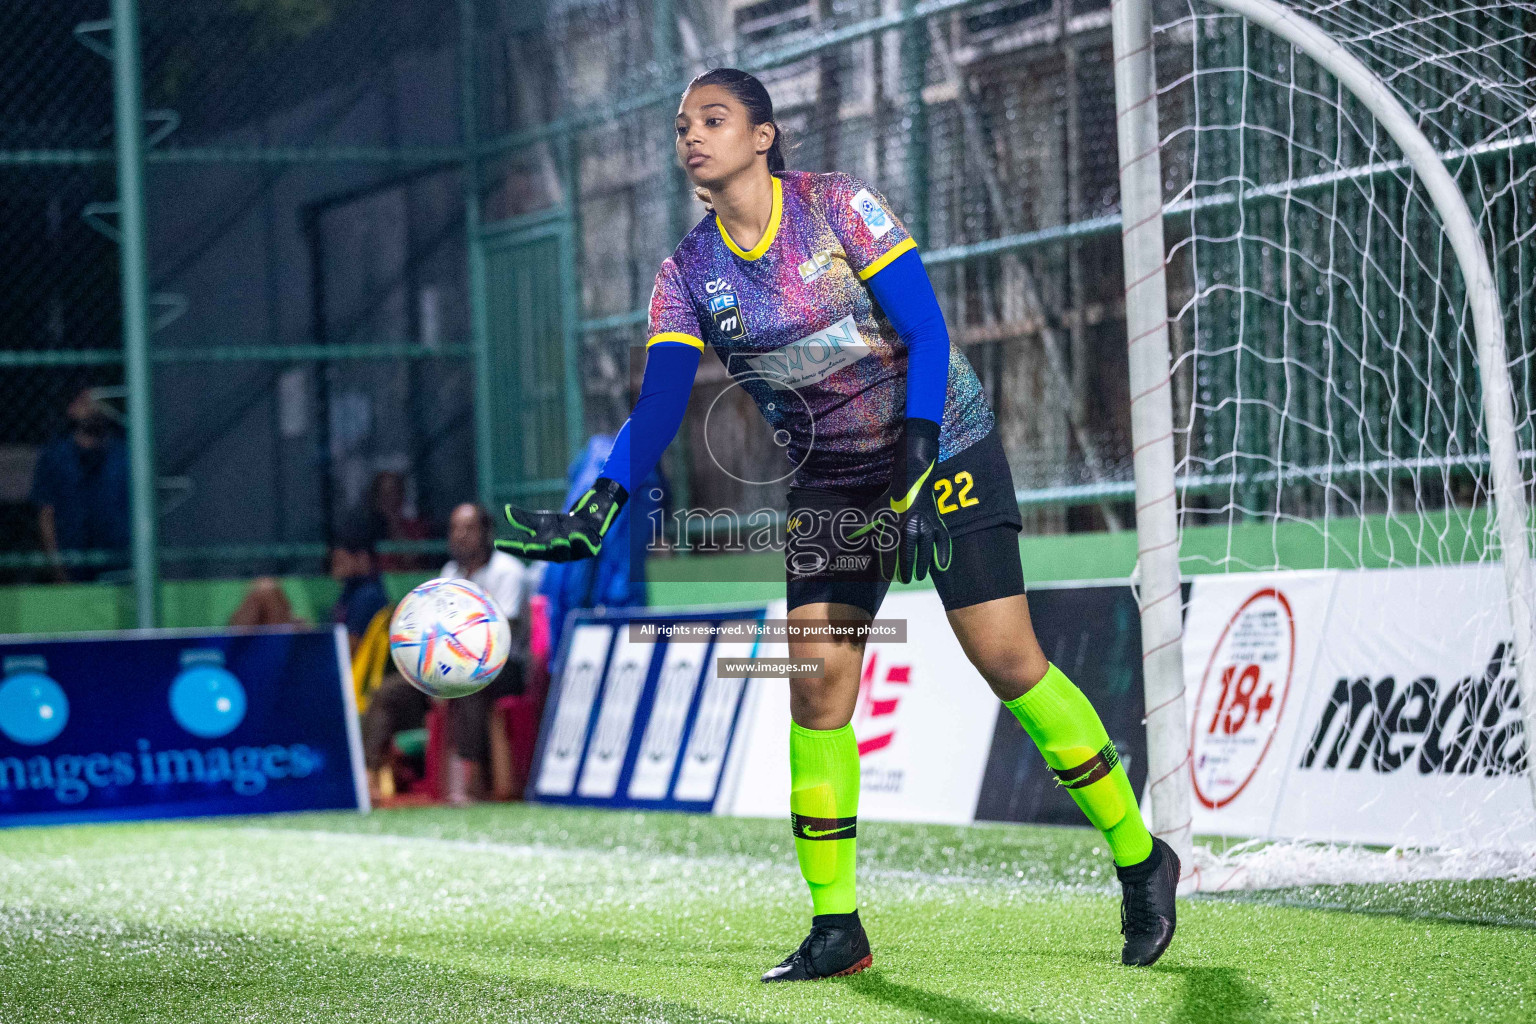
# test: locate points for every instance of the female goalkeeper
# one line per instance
(813, 295)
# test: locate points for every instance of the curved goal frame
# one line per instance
(1152, 425)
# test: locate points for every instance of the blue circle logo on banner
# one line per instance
(208, 701)
(33, 708)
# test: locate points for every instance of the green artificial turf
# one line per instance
(530, 914)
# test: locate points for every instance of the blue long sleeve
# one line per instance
(907, 299)
(669, 371)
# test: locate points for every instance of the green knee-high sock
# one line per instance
(1068, 732)
(824, 808)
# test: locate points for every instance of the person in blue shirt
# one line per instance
(80, 488)
(616, 577)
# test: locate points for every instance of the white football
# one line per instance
(448, 639)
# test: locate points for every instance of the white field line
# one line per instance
(734, 861)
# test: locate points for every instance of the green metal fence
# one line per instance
(240, 225)
(989, 125)
(410, 237)
(241, 332)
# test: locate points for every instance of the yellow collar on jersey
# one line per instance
(773, 226)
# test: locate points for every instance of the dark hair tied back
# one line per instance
(750, 93)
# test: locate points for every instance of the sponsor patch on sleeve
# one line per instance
(872, 213)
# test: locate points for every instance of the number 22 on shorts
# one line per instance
(957, 487)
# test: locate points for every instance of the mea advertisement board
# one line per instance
(640, 720)
(924, 722)
(1374, 706)
(173, 724)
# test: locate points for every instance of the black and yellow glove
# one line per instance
(566, 536)
(910, 536)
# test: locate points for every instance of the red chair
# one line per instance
(400, 783)
(435, 785)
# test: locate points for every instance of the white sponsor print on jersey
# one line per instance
(814, 267)
(812, 358)
(872, 213)
(725, 308)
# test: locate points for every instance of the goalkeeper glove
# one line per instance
(910, 536)
(566, 536)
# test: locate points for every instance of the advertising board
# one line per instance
(159, 724)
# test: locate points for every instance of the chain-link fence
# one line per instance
(308, 299)
(416, 239)
(989, 125)
(325, 314)
(59, 306)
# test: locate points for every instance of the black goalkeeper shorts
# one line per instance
(974, 494)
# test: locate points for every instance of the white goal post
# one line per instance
(1160, 589)
(1151, 390)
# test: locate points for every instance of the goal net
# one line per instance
(1349, 670)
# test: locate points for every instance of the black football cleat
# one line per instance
(836, 946)
(1147, 915)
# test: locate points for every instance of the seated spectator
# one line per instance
(354, 565)
(264, 604)
(474, 558)
(80, 488)
(397, 706)
(388, 704)
(389, 521)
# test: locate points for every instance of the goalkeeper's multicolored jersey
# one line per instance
(794, 323)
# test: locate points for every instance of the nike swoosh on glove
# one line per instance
(566, 536)
(910, 536)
